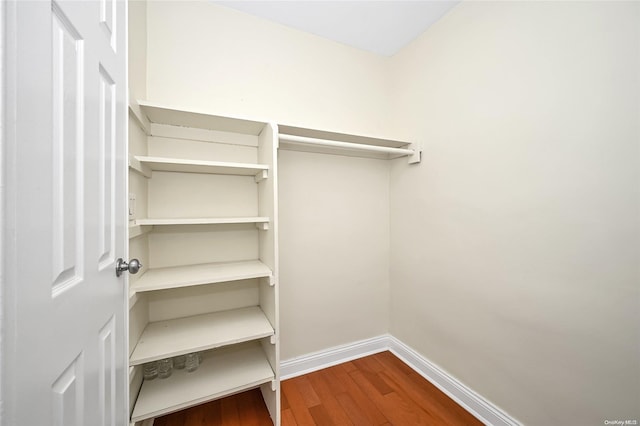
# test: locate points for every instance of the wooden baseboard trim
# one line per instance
(475, 404)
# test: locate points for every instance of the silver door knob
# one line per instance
(133, 266)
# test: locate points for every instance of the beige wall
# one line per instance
(215, 58)
(137, 29)
(334, 250)
(515, 244)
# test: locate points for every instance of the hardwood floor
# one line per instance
(374, 390)
(246, 409)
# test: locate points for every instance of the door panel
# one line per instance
(68, 395)
(106, 164)
(65, 311)
(67, 141)
(107, 373)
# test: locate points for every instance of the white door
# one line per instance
(64, 331)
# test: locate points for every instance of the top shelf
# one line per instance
(185, 117)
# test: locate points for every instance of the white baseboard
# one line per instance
(482, 409)
(475, 404)
(332, 356)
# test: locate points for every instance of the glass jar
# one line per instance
(192, 362)
(150, 370)
(165, 368)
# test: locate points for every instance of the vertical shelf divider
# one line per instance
(268, 241)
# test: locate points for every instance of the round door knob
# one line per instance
(133, 266)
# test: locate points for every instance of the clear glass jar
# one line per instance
(192, 362)
(165, 368)
(150, 370)
(179, 362)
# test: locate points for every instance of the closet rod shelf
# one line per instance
(346, 145)
(392, 152)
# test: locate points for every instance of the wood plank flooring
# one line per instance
(374, 390)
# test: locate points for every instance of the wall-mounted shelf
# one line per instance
(310, 140)
(188, 117)
(139, 227)
(207, 273)
(145, 165)
(164, 339)
(200, 221)
(226, 371)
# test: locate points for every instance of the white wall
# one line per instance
(137, 46)
(334, 250)
(515, 244)
(334, 233)
(206, 56)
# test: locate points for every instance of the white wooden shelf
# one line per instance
(139, 227)
(199, 221)
(188, 117)
(311, 140)
(206, 273)
(145, 165)
(164, 339)
(224, 372)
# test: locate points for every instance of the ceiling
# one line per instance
(377, 26)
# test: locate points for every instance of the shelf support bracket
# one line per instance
(272, 339)
(136, 230)
(262, 175)
(416, 157)
(274, 385)
(263, 226)
(272, 280)
(138, 167)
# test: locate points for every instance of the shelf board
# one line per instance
(319, 141)
(346, 137)
(205, 273)
(164, 339)
(200, 221)
(224, 372)
(186, 117)
(163, 164)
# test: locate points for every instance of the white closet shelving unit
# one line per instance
(204, 225)
(204, 191)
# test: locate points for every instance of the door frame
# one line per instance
(3, 281)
